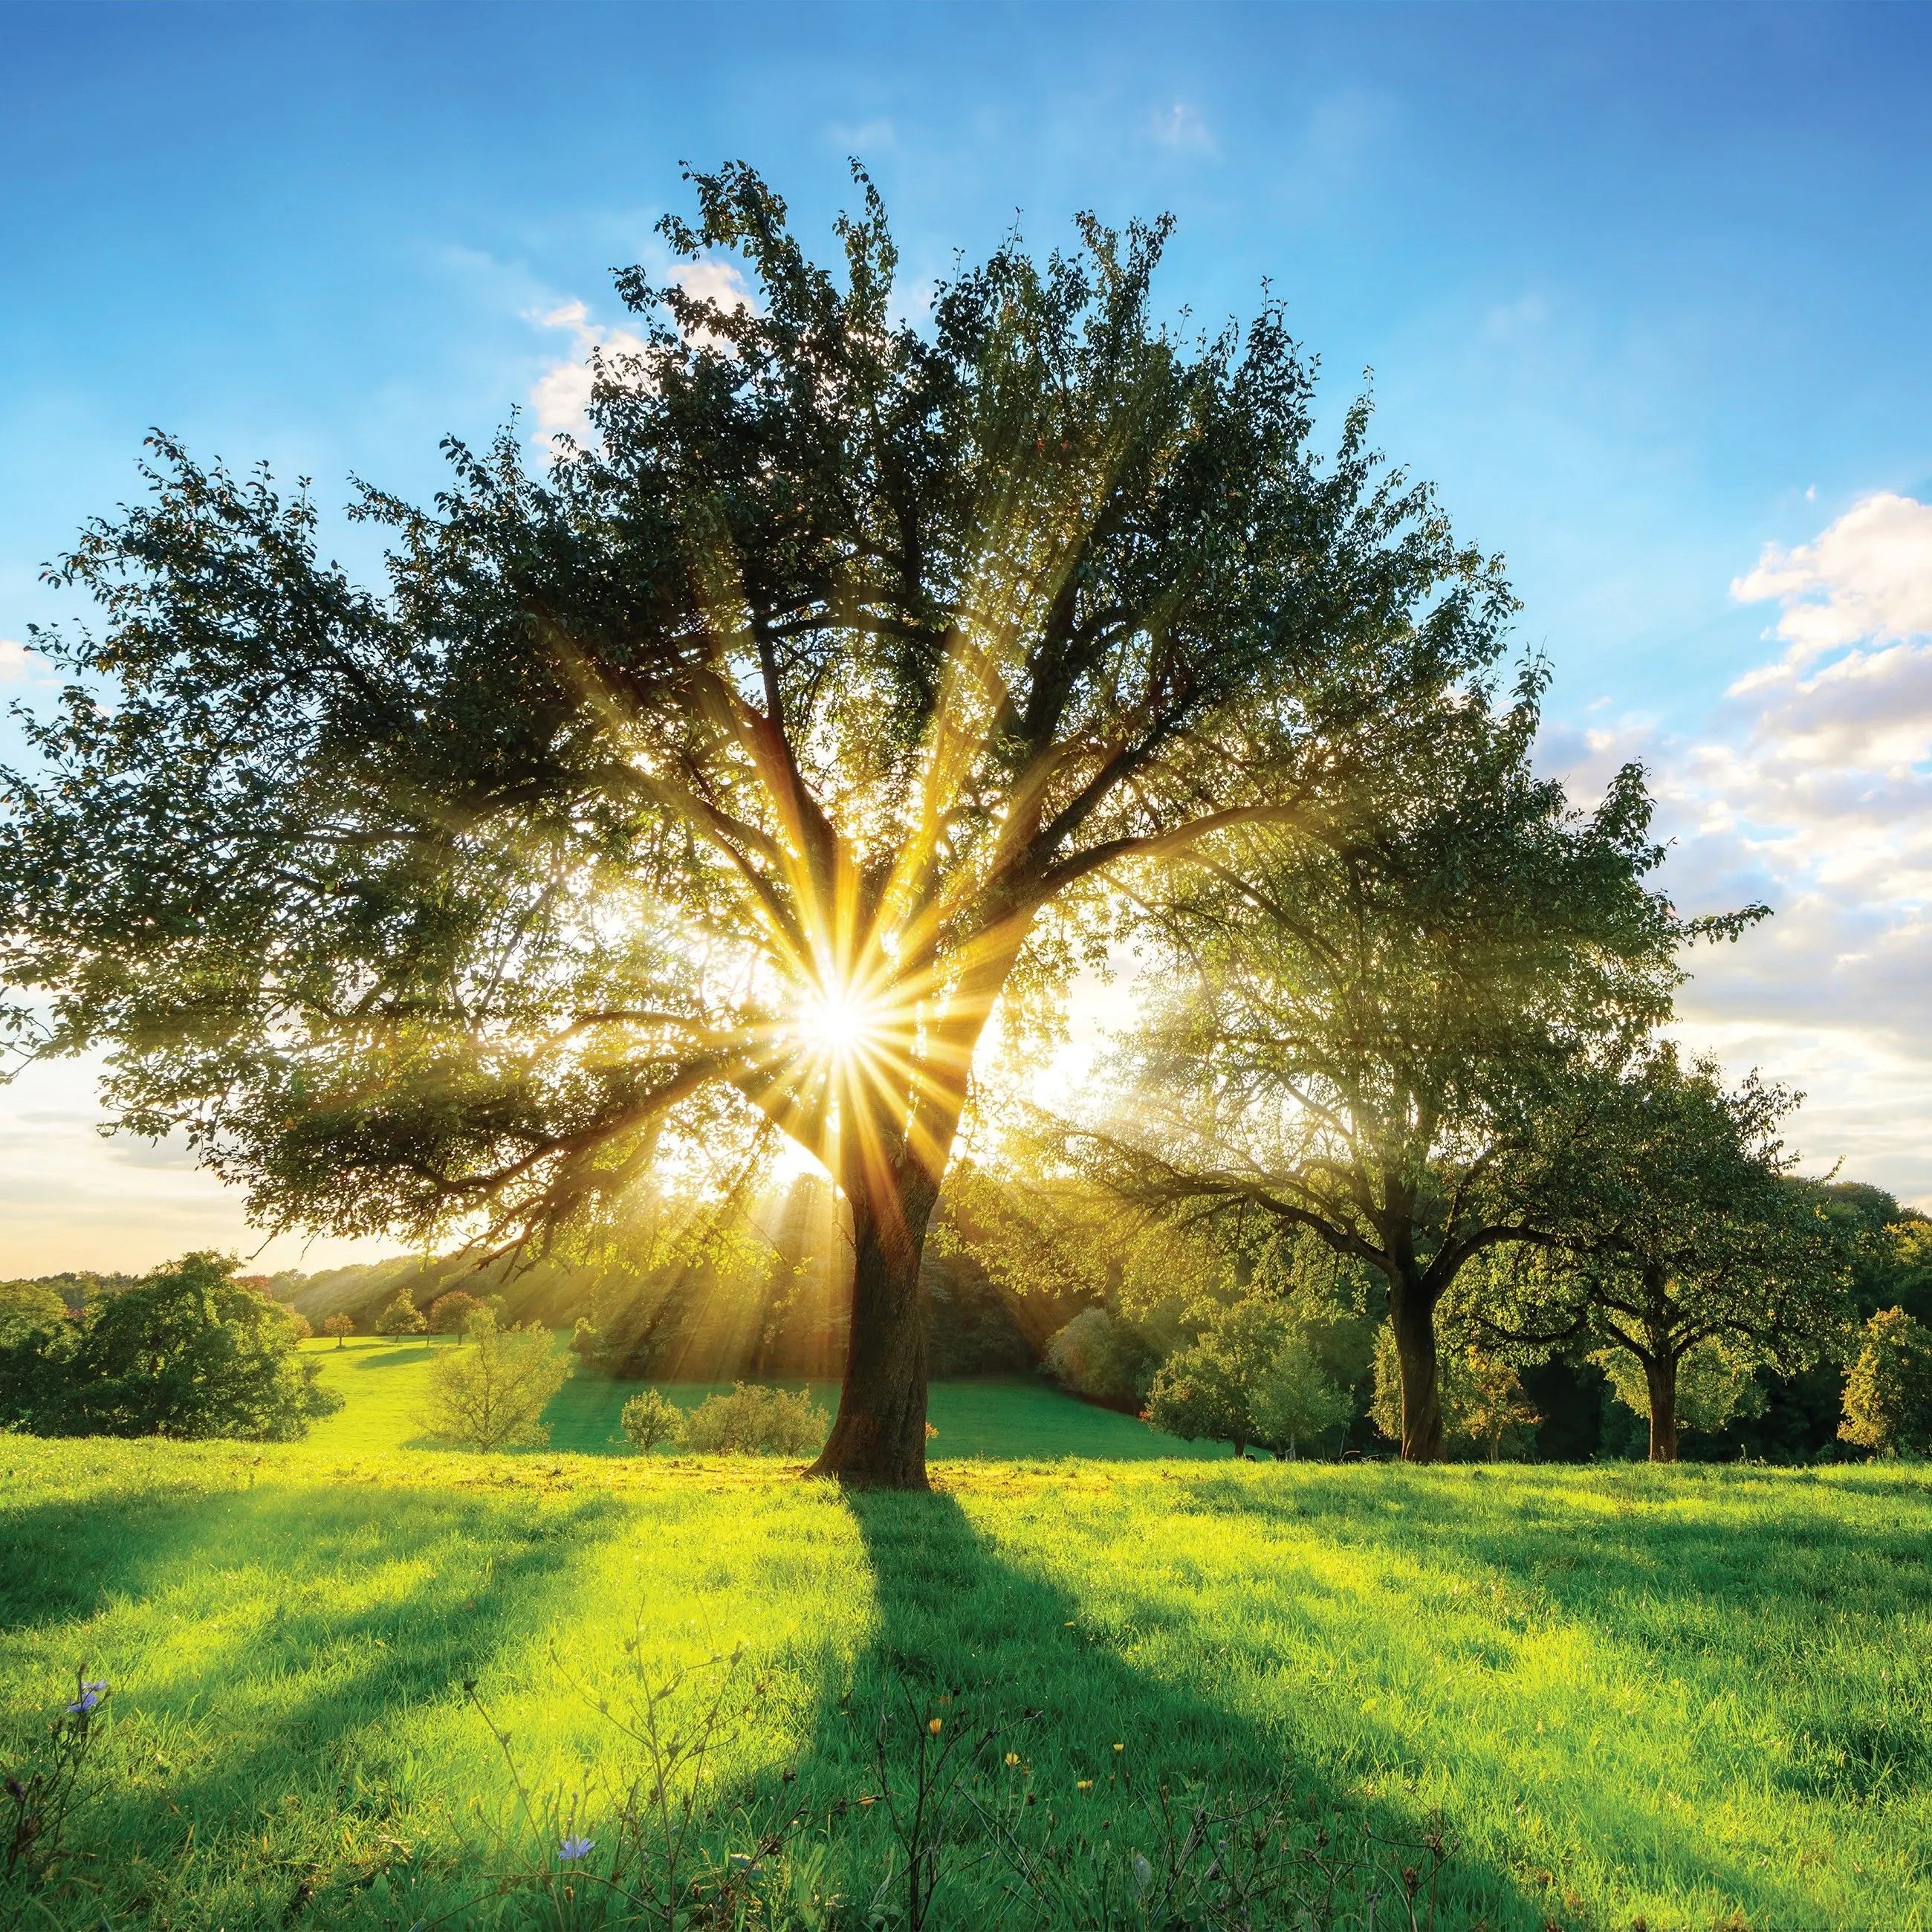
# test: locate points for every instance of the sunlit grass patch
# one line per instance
(384, 1386)
(1671, 1695)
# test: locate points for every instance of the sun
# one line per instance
(839, 1023)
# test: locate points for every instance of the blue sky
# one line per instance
(1645, 290)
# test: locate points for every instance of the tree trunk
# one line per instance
(1413, 1320)
(878, 1437)
(1660, 1375)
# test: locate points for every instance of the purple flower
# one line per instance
(572, 1849)
(91, 1692)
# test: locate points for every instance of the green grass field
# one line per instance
(1696, 1698)
(383, 1385)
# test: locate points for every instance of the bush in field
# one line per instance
(186, 1352)
(1485, 1412)
(1888, 1388)
(339, 1326)
(755, 1421)
(449, 1314)
(1249, 1376)
(492, 1396)
(402, 1317)
(299, 1323)
(1102, 1357)
(652, 1421)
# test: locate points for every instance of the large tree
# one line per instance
(732, 766)
(1680, 1234)
(1363, 1025)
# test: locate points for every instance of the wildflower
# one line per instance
(1120, 1748)
(1083, 1784)
(935, 1725)
(573, 1849)
(91, 1693)
(1013, 1759)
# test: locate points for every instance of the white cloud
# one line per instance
(17, 663)
(561, 396)
(1811, 789)
(1868, 578)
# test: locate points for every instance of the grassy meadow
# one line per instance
(383, 1385)
(1693, 1698)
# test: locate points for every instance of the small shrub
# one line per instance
(299, 1324)
(493, 1395)
(755, 1421)
(1888, 1389)
(652, 1421)
(402, 1317)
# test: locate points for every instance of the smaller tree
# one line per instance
(492, 1396)
(299, 1324)
(449, 1314)
(340, 1327)
(1294, 1401)
(402, 1317)
(1888, 1389)
(652, 1421)
(1682, 1226)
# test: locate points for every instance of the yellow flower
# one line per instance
(1120, 1748)
(1012, 1757)
(934, 1725)
(1083, 1784)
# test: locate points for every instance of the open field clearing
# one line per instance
(1694, 1697)
(385, 1384)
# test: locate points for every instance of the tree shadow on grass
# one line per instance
(270, 1700)
(959, 1620)
(1586, 1604)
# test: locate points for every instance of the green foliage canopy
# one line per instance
(1365, 1020)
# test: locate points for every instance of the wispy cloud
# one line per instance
(1181, 128)
(17, 663)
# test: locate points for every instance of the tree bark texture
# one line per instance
(1660, 1375)
(1413, 1320)
(878, 1437)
